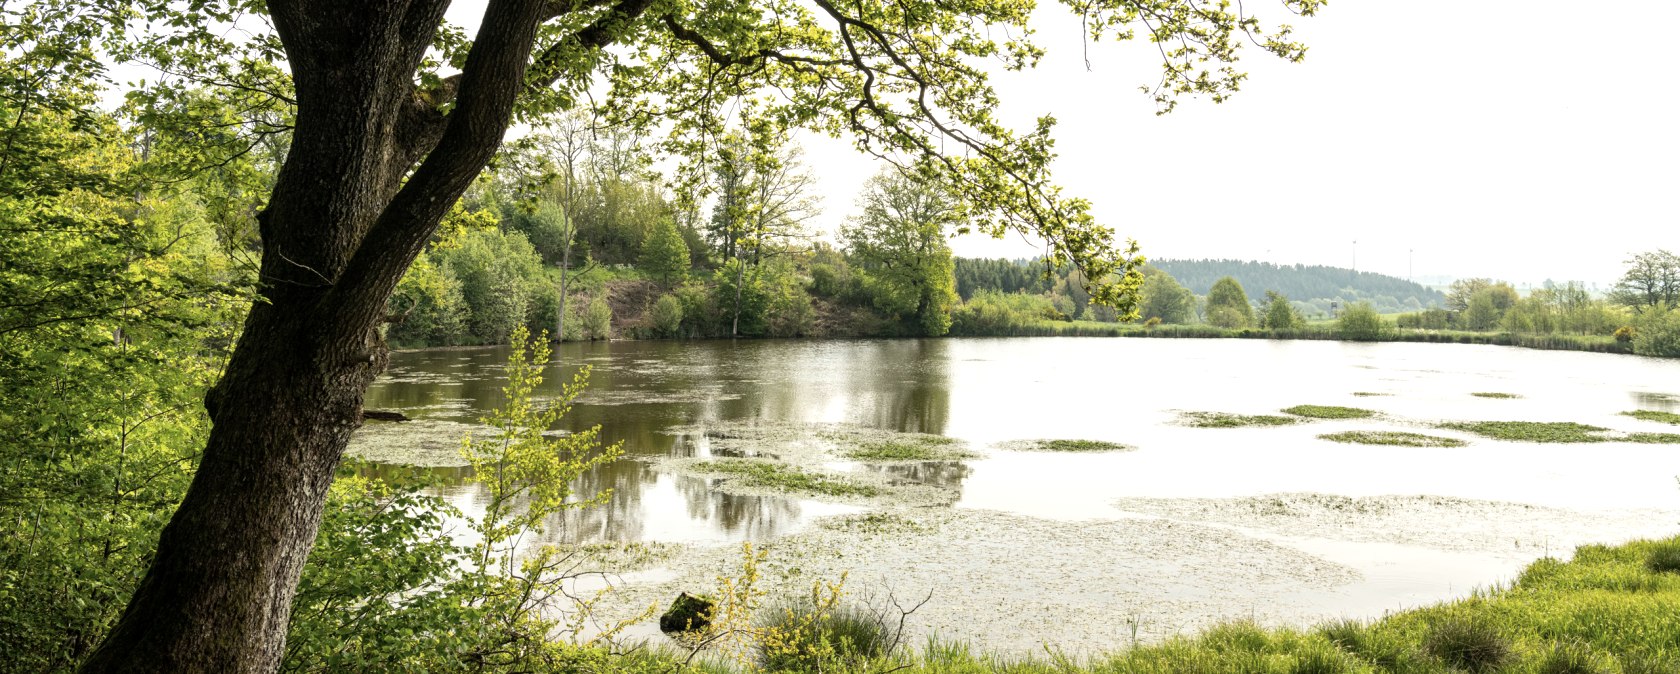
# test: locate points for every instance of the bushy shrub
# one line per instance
(1657, 333)
(1665, 558)
(1468, 644)
(667, 316)
(810, 641)
(1227, 305)
(1428, 319)
(1624, 334)
(597, 319)
(990, 312)
(1361, 323)
(1280, 314)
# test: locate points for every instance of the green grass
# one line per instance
(1496, 395)
(1329, 412)
(1654, 438)
(1574, 658)
(1531, 431)
(1225, 420)
(1392, 438)
(782, 477)
(1653, 415)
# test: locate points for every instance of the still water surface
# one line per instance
(1131, 391)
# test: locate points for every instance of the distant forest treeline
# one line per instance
(1305, 283)
(1312, 289)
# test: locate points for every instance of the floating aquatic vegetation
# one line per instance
(1532, 431)
(1060, 445)
(1227, 420)
(1653, 415)
(1392, 438)
(1329, 412)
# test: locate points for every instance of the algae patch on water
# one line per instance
(813, 443)
(868, 444)
(1654, 438)
(1438, 522)
(1064, 446)
(812, 459)
(1392, 438)
(876, 523)
(1165, 577)
(1532, 431)
(1653, 415)
(432, 443)
(1329, 412)
(783, 477)
(1227, 420)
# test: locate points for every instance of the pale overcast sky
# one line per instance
(1521, 140)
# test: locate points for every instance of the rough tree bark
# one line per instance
(339, 230)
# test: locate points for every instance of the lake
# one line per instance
(1093, 550)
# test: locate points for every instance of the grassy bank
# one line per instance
(1319, 331)
(1598, 344)
(1610, 610)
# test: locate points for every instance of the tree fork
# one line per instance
(340, 229)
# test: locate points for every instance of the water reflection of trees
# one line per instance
(621, 518)
(945, 474)
(910, 386)
(749, 516)
(626, 517)
(1660, 402)
(891, 384)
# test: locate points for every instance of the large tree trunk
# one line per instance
(339, 230)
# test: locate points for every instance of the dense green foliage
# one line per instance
(898, 246)
(665, 254)
(1278, 314)
(1657, 332)
(895, 276)
(1161, 298)
(991, 312)
(119, 294)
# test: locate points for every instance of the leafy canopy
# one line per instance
(906, 81)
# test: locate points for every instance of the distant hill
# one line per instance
(1314, 285)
